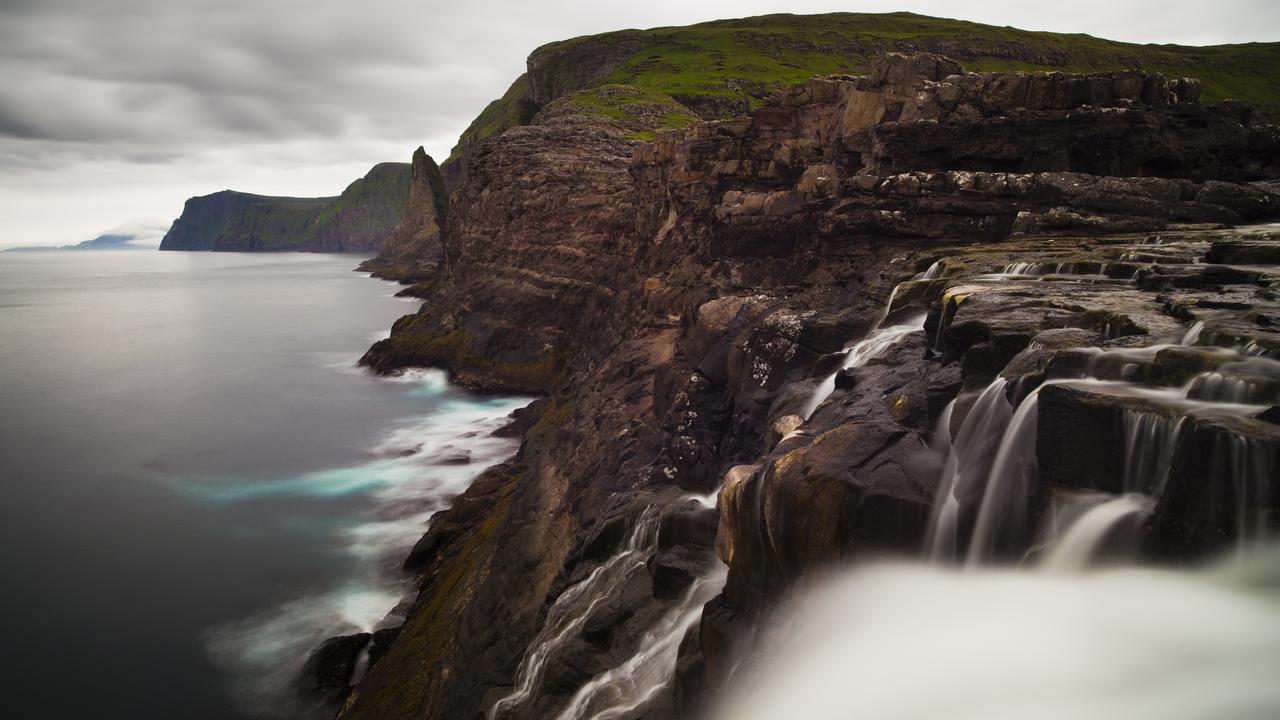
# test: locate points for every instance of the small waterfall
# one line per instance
(623, 689)
(1077, 546)
(1192, 335)
(1003, 511)
(859, 354)
(1253, 472)
(933, 272)
(1047, 268)
(1022, 268)
(570, 611)
(1150, 441)
(968, 462)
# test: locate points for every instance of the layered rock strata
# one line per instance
(685, 304)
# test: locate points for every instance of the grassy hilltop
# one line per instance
(675, 76)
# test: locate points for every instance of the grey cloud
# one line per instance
(273, 88)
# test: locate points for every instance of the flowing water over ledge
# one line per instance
(199, 483)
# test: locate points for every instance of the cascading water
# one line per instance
(1150, 441)
(859, 354)
(626, 688)
(570, 611)
(968, 460)
(1074, 551)
(1004, 500)
(1072, 638)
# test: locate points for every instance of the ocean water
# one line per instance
(197, 482)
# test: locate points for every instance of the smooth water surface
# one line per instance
(197, 482)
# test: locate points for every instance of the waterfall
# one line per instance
(570, 611)
(1077, 546)
(630, 685)
(1192, 335)
(1004, 500)
(1150, 441)
(858, 354)
(933, 272)
(968, 459)
(1253, 472)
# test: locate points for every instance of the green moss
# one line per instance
(553, 418)
(404, 682)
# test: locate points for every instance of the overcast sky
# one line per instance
(112, 112)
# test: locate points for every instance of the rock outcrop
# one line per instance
(688, 306)
(413, 251)
(358, 220)
(724, 69)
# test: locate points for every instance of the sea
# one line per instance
(197, 482)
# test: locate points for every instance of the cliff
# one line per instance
(726, 68)
(358, 220)
(413, 250)
(782, 312)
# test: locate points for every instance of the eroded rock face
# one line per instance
(682, 301)
(414, 250)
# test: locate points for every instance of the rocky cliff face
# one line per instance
(727, 68)
(782, 310)
(358, 220)
(413, 251)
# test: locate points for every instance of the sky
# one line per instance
(113, 112)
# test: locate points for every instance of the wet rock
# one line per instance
(1081, 438)
(380, 643)
(523, 418)
(1223, 489)
(1245, 252)
(781, 428)
(326, 676)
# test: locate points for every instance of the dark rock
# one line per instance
(327, 674)
(523, 418)
(1223, 486)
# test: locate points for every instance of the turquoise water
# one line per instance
(199, 484)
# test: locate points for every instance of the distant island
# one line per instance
(106, 241)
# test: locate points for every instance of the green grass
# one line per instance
(727, 67)
(640, 110)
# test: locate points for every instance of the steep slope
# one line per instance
(358, 220)
(725, 68)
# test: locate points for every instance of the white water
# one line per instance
(621, 690)
(1150, 441)
(914, 642)
(1005, 498)
(859, 354)
(415, 470)
(968, 462)
(574, 606)
(1078, 545)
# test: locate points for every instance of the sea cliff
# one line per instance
(358, 220)
(750, 330)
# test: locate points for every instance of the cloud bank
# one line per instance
(120, 110)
